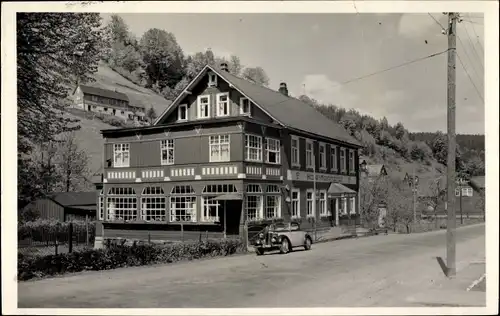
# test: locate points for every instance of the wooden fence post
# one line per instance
(87, 229)
(182, 232)
(70, 236)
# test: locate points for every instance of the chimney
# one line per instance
(224, 67)
(283, 89)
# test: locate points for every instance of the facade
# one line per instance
(225, 154)
(372, 171)
(66, 206)
(108, 102)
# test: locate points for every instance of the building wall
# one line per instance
(191, 147)
(48, 209)
(203, 89)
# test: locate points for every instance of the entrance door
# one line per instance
(333, 209)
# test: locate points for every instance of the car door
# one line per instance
(296, 235)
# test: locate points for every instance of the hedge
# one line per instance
(47, 230)
(116, 256)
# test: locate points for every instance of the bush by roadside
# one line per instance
(116, 256)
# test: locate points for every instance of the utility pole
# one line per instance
(414, 192)
(450, 170)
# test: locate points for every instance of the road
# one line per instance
(365, 272)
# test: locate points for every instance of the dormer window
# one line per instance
(212, 79)
(223, 104)
(203, 106)
(182, 112)
(245, 108)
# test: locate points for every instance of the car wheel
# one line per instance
(285, 246)
(259, 251)
(307, 245)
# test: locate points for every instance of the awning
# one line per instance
(229, 197)
(337, 189)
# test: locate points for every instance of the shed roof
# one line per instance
(478, 182)
(104, 93)
(68, 199)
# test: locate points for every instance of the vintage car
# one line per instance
(283, 237)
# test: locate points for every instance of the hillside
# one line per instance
(107, 78)
(89, 136)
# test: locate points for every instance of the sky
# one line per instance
(316, 54)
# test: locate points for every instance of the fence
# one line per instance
(46, 237)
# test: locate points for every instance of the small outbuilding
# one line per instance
(66, 206)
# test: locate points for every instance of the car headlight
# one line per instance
(274, 239)
(261, 236)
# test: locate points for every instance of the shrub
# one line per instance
(114, 121)
(117, 255)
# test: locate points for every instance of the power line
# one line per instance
(475, 87)
(473, 47)
(442, 27)
(468, 57)
(471, 22)
(477, 38)
(391, 68)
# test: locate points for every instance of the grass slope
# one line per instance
(107, 78)
(89, 136)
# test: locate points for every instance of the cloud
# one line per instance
(321, 88)
(416, 25)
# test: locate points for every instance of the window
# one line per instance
(182, 112)
(457, 192)
(212, 79)
(351, 161)
(253, 202)
(352, 207)
(167, 152)
(322, 203)
(310, 201)
(101, 206)
(465, 192)
(203, 106)
(105, 109)
(273, 150)
(153, 204)
(211, 207)
(342, 160)
(295, 203)
(223, 104)
(333, 158)
(122, 112)
(322, 156)
(253, 148)
(121, 204)
(295, 151)
(245, 108)
(273, 206)
(183, 204)
(219, 148)
(121, 155)
(309, 154)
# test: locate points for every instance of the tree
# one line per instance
(420, 151)
(256, 75)
(235, 66)
(72, 163)
(399, 204)
(372, 193)
(400, 130)
(151, 114)
(54, 52)
(163, 58)
(118, 29)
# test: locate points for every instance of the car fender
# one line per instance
(308, 236)
(284, 236)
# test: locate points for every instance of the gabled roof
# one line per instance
(374, 170)
(68, 199)
(286, 110)
(104, 93)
